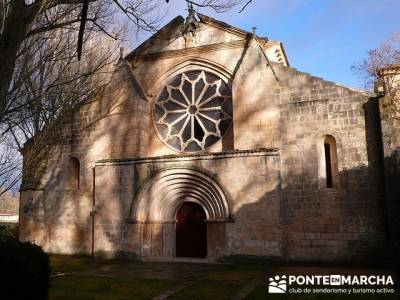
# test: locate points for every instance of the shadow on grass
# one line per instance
(223, 282)
(82, 278)
(99, 279)
(107, 288)
(74, 264)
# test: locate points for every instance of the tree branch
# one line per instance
(244, 7)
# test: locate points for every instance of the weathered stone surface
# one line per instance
(267, 175)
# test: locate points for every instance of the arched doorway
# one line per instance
(155, 212)
(191, 231)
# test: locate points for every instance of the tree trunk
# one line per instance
(17, 23)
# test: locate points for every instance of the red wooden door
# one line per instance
(191, 231)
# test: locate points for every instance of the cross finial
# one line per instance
(191, 9)
(191, 22)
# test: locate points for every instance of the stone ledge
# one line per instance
(133, 221)
(188, 157)
(191, 50)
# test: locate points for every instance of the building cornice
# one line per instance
(189, 157)
(189, 51)
(222, 25)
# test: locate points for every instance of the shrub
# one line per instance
(8, 231)
(24, 270)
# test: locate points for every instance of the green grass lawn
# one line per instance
(219, 285)
(84, 278)
(87, 278)
(107, 288)
(72, 264)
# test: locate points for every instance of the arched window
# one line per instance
(331, 162)
(73, 173)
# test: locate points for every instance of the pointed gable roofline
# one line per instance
(226, 27)
(178, 22)
(163, 33)
(222, 25)
(264, 41)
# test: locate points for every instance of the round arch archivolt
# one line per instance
(189, 64)
(161, 197)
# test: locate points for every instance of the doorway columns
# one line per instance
(165, 193)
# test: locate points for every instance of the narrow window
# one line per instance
(73, 173)
(328, 165)
(331, 162)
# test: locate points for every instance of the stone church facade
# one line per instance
(208, 144)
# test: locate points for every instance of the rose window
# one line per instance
(193, 111)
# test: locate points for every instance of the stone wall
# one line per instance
(279, 202)
(319, 222)
(250, 181)
(52, 213)
(390, 114)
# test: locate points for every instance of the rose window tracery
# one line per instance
(193, 111)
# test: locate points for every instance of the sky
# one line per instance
(321, 37)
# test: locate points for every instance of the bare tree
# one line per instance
(20, 19)
(48, 82)
(386, 55)
(8, 203)
(380, 69)
(10, 164)
(41, 79)
(48, 79)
